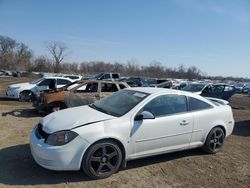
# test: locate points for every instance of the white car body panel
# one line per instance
(162, 133)
(14, 90)
(59, 121)
(139, 139)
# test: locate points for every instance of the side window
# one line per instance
(196, 104)
(62, 82)
(46, 82)
(115, 76)
(207, 89)
(166, 105)
(88, 88)
(122, 86)
(218, 88)
(228, 88)
(108, 87)
(106, 76)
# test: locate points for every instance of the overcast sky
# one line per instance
(212, 35)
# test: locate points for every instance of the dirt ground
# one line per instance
(228, 168)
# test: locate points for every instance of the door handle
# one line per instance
(184, 122)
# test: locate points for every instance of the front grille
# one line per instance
(40, 134)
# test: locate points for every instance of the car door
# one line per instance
(218, 91)
(207, 91)
(228, 92)
(61, 82)
(46, 84)
(171, 129)
(107, 88)
(203, 115)
(86, 93)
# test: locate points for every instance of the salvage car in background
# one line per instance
(221, 91)
(141, 82)
(84, 92)
(239, 87)
(25, 91)
(246, 88)
(126, 125)
(167, 84)
(104, 76)
(195, 87)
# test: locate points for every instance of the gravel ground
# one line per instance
(228, 168)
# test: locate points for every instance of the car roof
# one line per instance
(220, 84)
(101, 81)
(155, 90)
(56, 77)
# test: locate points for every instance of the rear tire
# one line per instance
(102, 160)
(214, 141)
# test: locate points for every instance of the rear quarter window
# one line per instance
(62, 82)
(196, 104)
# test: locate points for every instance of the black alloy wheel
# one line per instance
(102, 160)
(25, 96)
(214, 141)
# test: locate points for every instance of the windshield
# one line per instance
(98, 75)
(119, 103)
(36, 81)
(133, 80)
(193, 87)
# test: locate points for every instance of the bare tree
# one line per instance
(22, 56)
(57, 51)
(14, 55)
(41, 64)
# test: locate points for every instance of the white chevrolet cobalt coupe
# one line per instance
(129, 124)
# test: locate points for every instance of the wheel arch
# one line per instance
(117, 141)
(25, 90)
(220, 125)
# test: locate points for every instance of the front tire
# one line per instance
(214, 141)
(102, 160)
(25, 96)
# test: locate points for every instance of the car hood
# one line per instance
(72, 117)
(197, 92)
(25, 85)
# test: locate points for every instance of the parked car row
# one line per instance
(27, 91)
(222, 91)
(76, 94)
(10, 73)
(242, 87)
(95, 88)
(108, 123)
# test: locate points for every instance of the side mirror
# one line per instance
(144, 115)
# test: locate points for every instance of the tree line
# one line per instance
(18, 56)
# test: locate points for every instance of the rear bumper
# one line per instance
(230, 128)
